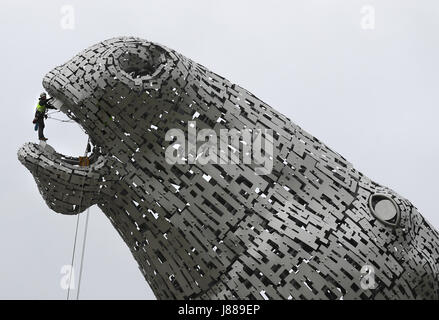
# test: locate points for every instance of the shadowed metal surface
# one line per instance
(306, 230)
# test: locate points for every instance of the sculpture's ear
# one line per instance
(141, 63)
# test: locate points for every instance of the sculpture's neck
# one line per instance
(174, 242)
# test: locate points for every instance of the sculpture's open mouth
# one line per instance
(59, 177)
(74, 88)
(43, 149)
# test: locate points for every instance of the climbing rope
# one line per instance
(61, 120)
(76, 238)
(73, 256)
(83, 251)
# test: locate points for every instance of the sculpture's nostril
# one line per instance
(143, 61)
(135, 66)
(384, 209)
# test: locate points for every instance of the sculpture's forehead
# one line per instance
(112, 51)
(120, 59)
(113, 67)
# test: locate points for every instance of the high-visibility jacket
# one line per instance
(41, 108)
(43, 105)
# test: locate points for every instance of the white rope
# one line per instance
(73, 256)
(60, 120)
(83, 252)
(76, 237)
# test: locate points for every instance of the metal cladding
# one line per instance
(311, 228)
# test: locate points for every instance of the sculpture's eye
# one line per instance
(385, 209)
(142, 61)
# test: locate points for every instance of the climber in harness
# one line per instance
(41, 114)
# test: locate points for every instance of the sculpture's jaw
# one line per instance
(66, 187)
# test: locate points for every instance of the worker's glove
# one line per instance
(34, 120)
(45, 116)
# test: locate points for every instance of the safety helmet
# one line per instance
(42, 95)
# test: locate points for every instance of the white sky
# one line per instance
(370, 95)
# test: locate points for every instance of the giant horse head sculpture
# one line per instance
(309, 227)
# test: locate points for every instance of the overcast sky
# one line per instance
(370, 94)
